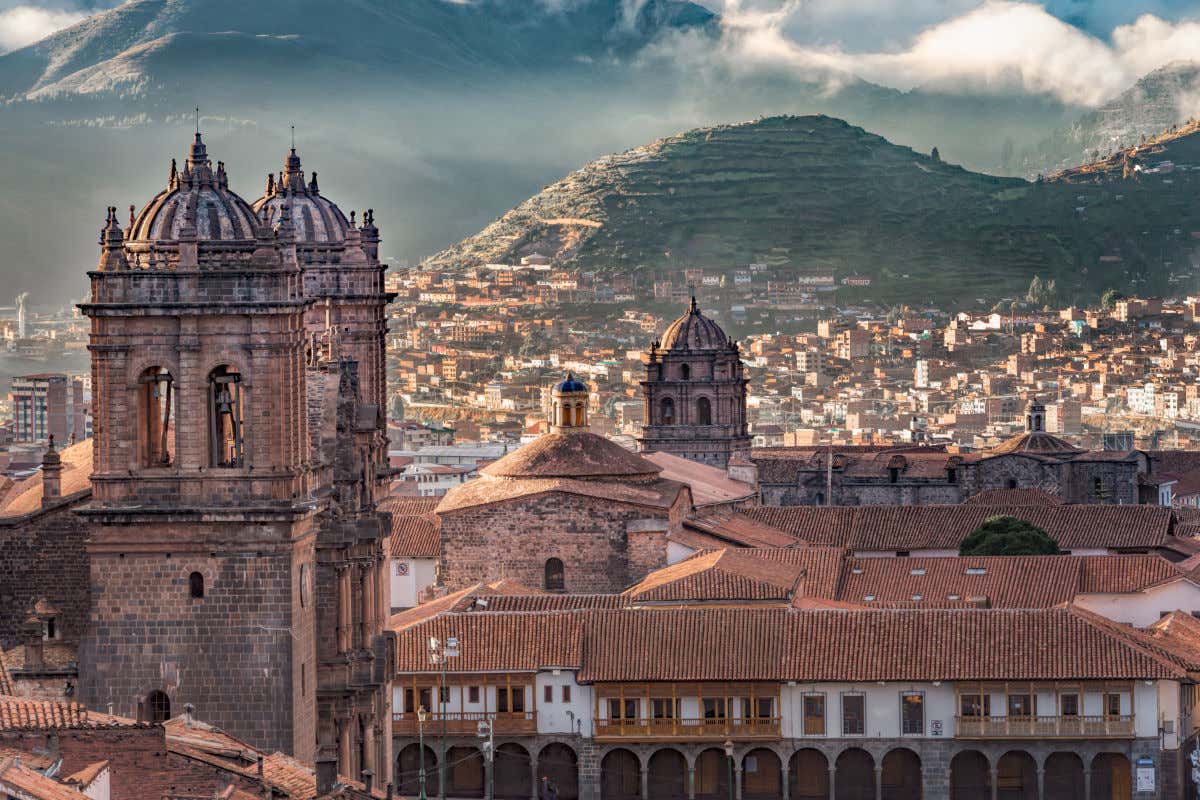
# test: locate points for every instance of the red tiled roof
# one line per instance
(883, 528)
(1013, 497)
(26, 496)
(736, 528)
(778, 644)
(23, 781)
(19, 713)
(710, 485)
(550, 602)
(515, 642)
(415, 536)
(719, 575)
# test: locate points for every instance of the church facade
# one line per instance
(234, 552)
(695, 393)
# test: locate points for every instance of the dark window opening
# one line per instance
(685, 372)
(158, 707)
(555, 580)
(667, 409)
(1012, 483)
(196, 585)
(703, 411)
(893, 474)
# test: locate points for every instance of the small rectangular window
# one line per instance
(472, 694)
(853, 716)
(566, 694)
(663, 708)
(548, 694)
(409, 706)
(912, 714)
(1112, 704)
(766, 707)
(814, 714)
(1068, 705)
(444, 694)
(714, 708)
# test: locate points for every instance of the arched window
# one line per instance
(158, 707)
(155, 410)
(667, 411)
(685, 372)
(555, 579)
(579, 415)
(227, 445)
(196, 585)
(703, 411)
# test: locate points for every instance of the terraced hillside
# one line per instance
(818, 192)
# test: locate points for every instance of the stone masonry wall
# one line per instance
(514, 539)
(43, 556)
(230, 653)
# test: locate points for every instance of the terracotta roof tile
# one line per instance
(710, 485)
(512, 642)
(883, 528)
(719, 575)
(482, 491)
(571, 455)
(736, 528)
(26, 496)
(23, 781)
(1013, 497)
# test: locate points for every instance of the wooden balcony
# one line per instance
(682, 729)
(466, 723)
(1077, 727)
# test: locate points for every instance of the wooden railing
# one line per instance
(683, 728)
(466, 722)
(1044, 727)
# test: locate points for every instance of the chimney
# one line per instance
(368, 778)
(326, 775)
(51, 475)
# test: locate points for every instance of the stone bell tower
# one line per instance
(204, 501)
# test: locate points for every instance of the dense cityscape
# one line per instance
(794, 457)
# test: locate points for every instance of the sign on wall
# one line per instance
(1145, 775)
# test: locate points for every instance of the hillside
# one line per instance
(819, 192)
(1170, 95)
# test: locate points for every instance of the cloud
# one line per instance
(22, 25)
(998, 46)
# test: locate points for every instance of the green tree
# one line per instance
(1108, 300)
(1008, 536)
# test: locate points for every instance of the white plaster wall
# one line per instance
(1155, 704)
(406, 589)
(553, 717)
(1144, 608)
(882, 707)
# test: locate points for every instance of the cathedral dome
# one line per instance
(579, 455)
(316, 219)
(694, 331)
(198, 197)
(571, 384)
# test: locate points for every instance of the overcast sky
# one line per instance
(1081, 51)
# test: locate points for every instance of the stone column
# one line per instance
(784, 785)
(878, 782)
(737, 781)
(533, 772)
(691, 784)
(1041, 775)
(832, 782)
(1087, 783)
(646, 782)
(992, 780)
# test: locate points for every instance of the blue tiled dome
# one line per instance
(571, 385)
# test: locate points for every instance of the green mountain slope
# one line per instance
(824, 194)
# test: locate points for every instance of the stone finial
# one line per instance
(312, 183)
(112, 244)
(270, 184)
(132, 218)
(173, 177)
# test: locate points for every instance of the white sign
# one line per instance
(1145, 779)
(935, 727)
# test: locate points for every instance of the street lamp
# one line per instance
(422, 715)
(729, 758)
(487, 731)
(439, 653)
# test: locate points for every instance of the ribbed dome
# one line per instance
(694, 331)
(1036, 443)
(579, 455)
(316, 219)
(199, 197)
